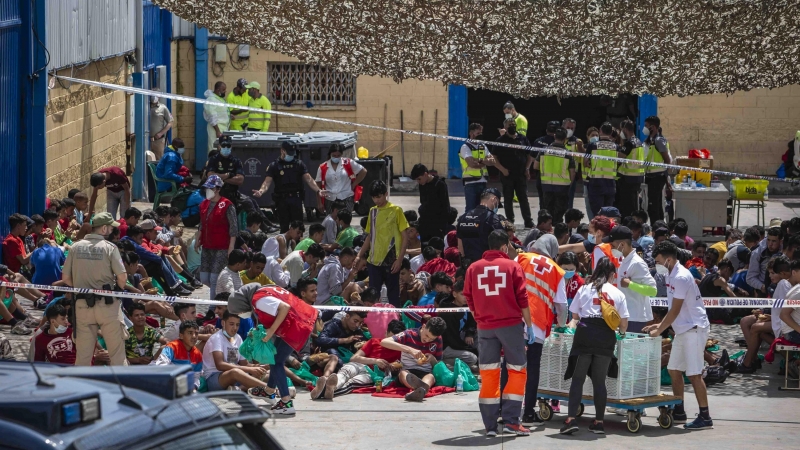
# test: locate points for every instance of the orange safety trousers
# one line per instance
(509, 342)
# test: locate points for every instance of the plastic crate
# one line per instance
(639, 360)
(749, 189)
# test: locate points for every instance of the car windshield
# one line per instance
(229, 437)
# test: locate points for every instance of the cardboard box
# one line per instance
(697, 163)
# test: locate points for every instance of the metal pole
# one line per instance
(421, 123)
(383, 143)
(435, 131)
(402, 144)
(139, 167)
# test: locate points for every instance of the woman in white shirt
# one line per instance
(339, 177)
(594, 342)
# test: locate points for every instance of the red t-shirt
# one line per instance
(117, 180)
(373, 349)
(13, 246)
(123, 228)
(55, 348)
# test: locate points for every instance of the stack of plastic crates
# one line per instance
(639, 360)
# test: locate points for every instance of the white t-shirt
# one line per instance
(271, 247)
(417, 262)
(294, 263)
(793, 294)
(587, 303)
(781, 291)
(269, 305)
(219, 343)
(681, 284)
(173, 332)
(634, 268)
(337, 182)
(275, 272)
(465, 153)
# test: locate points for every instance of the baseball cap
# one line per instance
(618, 233)
(496, 193)
(289, 147)
(104, 219)
(214, 181)
(576, 238)
(609, 211)
(253, 85)
(149, 224)
(775, 223)
(241, 82)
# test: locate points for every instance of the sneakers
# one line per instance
(260, 392)
(330, 386)
(678, 418)
(532, 420)
(416, 395)
(31, 322)
(517, 429)
(700, 423)
(569, 427)
(40, 303)
(491, 433)
(415, 382)
(556, 406)
(284, 409)
(319, 389)
(21, 329)
(741, 368)
(597, 428)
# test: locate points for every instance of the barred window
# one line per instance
(296, 84)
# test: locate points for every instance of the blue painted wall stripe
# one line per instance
(457, 126)
(200, 87)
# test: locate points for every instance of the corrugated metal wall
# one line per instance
(79, 31)
(10, 108)
(183, 29)
(152, 36)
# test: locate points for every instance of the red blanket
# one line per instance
(400, 392)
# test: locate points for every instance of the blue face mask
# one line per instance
(336, 160)
(495, 210)
(591, 239)
(226, 151)
(225, 333)
(288, 158)
(569, 274)
(181, 150)
(594, 139)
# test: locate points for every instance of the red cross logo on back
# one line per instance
(542, 265)
(491, 284)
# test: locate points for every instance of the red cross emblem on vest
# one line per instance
(491, 280)
(542, 265)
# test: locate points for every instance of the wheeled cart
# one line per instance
(635, 406)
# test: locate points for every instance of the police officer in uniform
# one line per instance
(573, 144)
(95, 263)
(543, 142)
(557, 174)
(602, 173)
(631, 175)
(474, 227)
(231, 170)
(289, 173)
(657, 151)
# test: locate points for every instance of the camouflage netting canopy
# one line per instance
(528, 47)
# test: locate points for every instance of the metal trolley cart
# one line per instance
(636, 387)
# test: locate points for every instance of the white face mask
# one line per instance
(508, 116)
(646, 131)
(622, 135)
(61, 328)
(210, 194)
(616, 253)
(570, 133)
(662, 269)
(591, 238)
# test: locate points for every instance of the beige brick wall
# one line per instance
(372, 93)
(85, 128)
(746, 132)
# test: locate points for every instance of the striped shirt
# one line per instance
(412, 338)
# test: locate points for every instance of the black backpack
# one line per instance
(181, 198)
(715, 374)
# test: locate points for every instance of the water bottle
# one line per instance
(459, 384)
(766, 194)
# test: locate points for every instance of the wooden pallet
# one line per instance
(653, 399)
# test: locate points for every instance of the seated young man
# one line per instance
(296, 261)
(131, 217)
(421, 349)
(223, 366)
(353, 375)
(140, 284)
(315, 234)
(347, 233)
(156, 266)
(244, 324)
(274, 271)
(790, 317)
(187, 311)
(55, 344)
(437, 264)
(455, 346)
(331, 225)
(279, 246)
(341, 333)
(336, 275)
(229, 279)
(255, 270)
(183, 351)
(410, 287)
(414, 246)
(139, 346)
(440, 282)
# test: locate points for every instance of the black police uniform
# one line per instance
(231, 166)
(542, 142)
(474, 228)
(289, 193)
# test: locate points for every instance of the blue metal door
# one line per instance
(10, 108)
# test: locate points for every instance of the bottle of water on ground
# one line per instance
(459, 384)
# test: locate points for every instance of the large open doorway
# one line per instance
(486, 107)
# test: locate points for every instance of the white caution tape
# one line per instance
(548, 150)
(709, 302)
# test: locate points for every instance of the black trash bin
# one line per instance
(377, 169)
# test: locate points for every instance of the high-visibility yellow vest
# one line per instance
(554, 170)
(654, 156)
(602, 169)
(637, 154)
(522, 125)
(259, 121)
(238, 120)
(468, 173)
(571, 147)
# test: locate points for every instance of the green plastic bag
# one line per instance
(443, 375)
(470, 382)
(289, 382)
(304, 373)
(255, 349)
(666, 380)
(345, 355)
(564, 330)
(407, 321)
(157, 285)
(367, 334)
(375, 373)
(336, 300)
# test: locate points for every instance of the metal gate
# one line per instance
(10, 108)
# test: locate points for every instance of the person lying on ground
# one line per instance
(341, 334)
